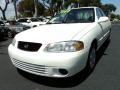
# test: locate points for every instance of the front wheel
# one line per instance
(91, 59)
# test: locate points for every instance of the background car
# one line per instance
(2, 33)
(42, 19)
(15, 28)
(3, 30)
(32, 22)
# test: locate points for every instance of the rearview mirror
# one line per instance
(103, 19)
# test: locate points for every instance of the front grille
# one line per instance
(32, 68)
(29, 46)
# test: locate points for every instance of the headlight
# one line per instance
(67, 46)
(13, 42)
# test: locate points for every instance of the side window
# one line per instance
(101, 11)
(99, 14)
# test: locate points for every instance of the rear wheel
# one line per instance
(109, 37)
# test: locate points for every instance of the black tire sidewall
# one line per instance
(88, 67)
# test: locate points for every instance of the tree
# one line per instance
(36, 10)
(96, 3)
(109, 7)
(15, 8)
(5, 8)
(68, 3)
(27, 8)
(83, 3)
(115, 16)
(55, 6)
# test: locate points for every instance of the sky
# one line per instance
(10, 10)
(115, 2)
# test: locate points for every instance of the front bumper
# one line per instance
(48, 64)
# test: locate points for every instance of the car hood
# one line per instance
(52, 33)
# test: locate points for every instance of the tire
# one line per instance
(109, 37)
(91, 62)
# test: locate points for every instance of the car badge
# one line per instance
(26, 46)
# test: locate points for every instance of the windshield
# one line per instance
(83, 15)
(58, 18)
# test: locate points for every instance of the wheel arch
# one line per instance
(94, 42)
(87, 67)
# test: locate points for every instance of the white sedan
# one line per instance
(32, 22)
(64, 46)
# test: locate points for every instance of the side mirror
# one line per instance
(28, 21)
(103, 19)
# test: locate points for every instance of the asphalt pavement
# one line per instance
(106, 75)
